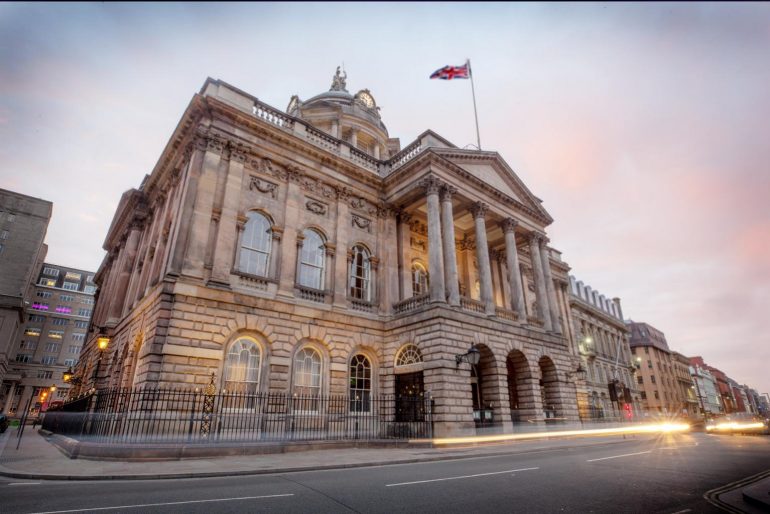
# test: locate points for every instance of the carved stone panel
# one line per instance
(316, 207)
(263, 186)
(361, 223)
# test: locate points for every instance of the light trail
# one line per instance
(655, 428)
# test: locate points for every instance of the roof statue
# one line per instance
(339, 81)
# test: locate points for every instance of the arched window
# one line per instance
(360, 383)
(242, 366)
(312, 259)
(409, 354)
(360, 274)
(255, 245)
(307, 379)
(419, 279)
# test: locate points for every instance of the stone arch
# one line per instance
(265, 351)
(521, 390)
(245, 322)
(485, 384)
(550, 393)
(298, 351)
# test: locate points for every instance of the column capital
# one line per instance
(509, 225)
(432, 185)
(446, 193)
(535, 238)
(479, 209)
(276, 232)
(403, 216)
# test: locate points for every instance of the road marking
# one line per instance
(25, 483)
(167, 503)
(619, 456)
(457, 478)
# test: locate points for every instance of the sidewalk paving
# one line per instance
(38, 459)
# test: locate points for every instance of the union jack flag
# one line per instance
(452, 72)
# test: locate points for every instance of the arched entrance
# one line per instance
(485, 389)
(519, 375)
(409, 386)
(549, 388)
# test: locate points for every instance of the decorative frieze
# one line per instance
(361, 223)
(316, 207)
(418, 244)
(263, 186)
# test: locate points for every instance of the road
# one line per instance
(669, 475)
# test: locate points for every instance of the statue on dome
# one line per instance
(339, 81)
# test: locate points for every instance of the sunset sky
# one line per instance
(645, 129)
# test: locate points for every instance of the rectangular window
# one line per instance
(649, 364)
(66, 298)
(4, 234)
(71, 286)
(11, 217)
(84, 312)
(90, 279)
(62, 393)
(44, 294)
(48, 359)
(74, 349)
(69, 362)
(36, 318)
(32, 331)
(56, 334)
(52, 347)
(643, 395)
(63, 309)
(657, 396)
(639, 380)
(60, 321)
(28, 345)
(43, 373)
(23, 357)
(81, 324)
(88, 300)
(72, 276)
(48, 282)
(53, 272)
(78, 338)
(647, 350)
(89, 289)
(652, 379)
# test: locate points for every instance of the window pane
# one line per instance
(255, 245)
(312, 259)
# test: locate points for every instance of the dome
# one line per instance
(352, 118)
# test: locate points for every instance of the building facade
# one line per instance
(51, 337)
(685, 384)
(23, 225)
(706, 390)
(662, 392)
(601, 339)
(307, 252)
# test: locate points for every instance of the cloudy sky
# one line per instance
(644, 128)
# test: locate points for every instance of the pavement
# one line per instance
(37, 459)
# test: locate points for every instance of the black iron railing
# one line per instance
(164, 415)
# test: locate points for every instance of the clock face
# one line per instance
(366, 99)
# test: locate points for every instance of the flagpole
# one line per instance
(475, 113)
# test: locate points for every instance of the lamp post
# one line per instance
(102, 342)
(580, 375)
(472, 357)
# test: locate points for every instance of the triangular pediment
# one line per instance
(492, 170)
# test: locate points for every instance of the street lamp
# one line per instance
(472, 356)
(102, 342)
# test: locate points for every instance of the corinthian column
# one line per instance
(435, 252)
(479, 210)
(514, 278)
(543, 312)
(450, 254)
(550, 290)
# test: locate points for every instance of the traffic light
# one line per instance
(627, 410)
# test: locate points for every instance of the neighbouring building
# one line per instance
(662, 392)
(307, 252)
(51, 337)
(706, 391)
(725, 390)
(23, 225)
(601, 339)
(684, 383)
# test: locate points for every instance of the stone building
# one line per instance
(23, 225)
(706, 391)
(656, 371)
(724, 389)
(601, 338)
(307, 252)
(685, 384)
(51, 336)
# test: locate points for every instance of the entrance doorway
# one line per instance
(410, 396)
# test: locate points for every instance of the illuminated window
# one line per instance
(307, 378)
(48, 282)
(32, 331)
(419, 279)
(56, 334)
(72, 276)
(360, 272)
(242, 366)
(312, 260)
(409, 354)
(360, 384)
(63, 309)
(256, 242)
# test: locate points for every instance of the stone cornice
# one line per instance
(594, 311)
